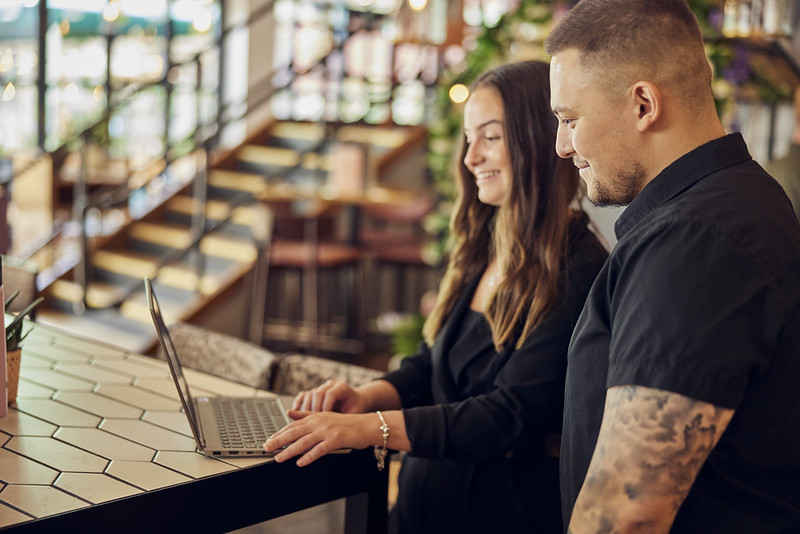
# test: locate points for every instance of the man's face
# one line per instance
(594, 131)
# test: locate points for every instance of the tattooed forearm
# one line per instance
(651, 446)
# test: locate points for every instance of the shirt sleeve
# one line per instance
(413, 379)
(526, 400)
(692, 312)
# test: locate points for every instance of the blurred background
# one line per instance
(281, 169)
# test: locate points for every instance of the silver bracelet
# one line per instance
(380, 452)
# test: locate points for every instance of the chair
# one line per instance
(394, 240)
(316, 291)
(224, 355)
(239, 360)
(299, 372)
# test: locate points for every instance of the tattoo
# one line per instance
(651, 446)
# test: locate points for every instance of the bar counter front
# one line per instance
(97, 442)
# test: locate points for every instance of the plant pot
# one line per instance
(12, 373)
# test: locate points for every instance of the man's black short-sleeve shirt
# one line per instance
(701, 297)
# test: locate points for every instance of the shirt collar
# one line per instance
(680, 175)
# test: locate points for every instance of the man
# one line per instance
(683, 389)
(787, 169)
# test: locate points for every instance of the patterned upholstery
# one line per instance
(239, 360)
(298, 372)
(224, 355)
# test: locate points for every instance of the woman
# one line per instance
(479, 407)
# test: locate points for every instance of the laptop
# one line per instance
(222, 426)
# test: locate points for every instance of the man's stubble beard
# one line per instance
(621, 191)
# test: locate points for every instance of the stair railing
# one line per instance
(204, 138)
(83, 201)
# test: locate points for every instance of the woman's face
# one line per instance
(487, 155)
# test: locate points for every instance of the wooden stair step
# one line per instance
(227, 247)
(237, 181)
(269, 155)
(124, 262)
(373, 135)
(136, 265)
(283, 157)
(215, 209)
(298, 130)
(255, 185)
(216, 244)
(313, 161)
(164, 234)
(182, 276)
(137, 309)
(98, 294)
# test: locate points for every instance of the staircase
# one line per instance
(115, 309)
(208, 279)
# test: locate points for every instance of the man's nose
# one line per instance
(564, 146)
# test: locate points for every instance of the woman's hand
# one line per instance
(333, 395)
(315, 434)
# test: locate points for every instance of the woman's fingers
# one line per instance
(337, 393)
(299, 401)
(292, 436)
(326, 397)
(297, 448)
(313, 435)
(318, 395)
(287, 434)
(315, 453)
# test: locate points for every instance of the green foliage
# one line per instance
(98, 133)
(407, 334)
(519, 35)
(493, 46)
(14, 335)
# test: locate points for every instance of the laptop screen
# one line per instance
(172, 358)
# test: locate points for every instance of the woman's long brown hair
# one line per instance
(529, 233)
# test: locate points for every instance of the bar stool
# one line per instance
(394, 240)
(307, 260)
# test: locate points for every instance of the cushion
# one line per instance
(223, 355)
(299, 372)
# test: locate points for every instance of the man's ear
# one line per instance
(647, 101)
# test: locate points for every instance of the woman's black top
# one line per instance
(479, 421)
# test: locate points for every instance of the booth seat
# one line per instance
(239, 360)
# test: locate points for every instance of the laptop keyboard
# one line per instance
(244, 424)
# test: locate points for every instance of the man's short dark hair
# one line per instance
(624, 41)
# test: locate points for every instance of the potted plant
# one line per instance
(14, 338)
